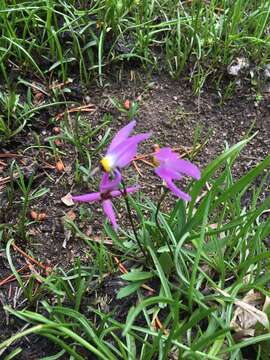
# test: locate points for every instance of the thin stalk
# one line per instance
(157, 222)
(131, 219)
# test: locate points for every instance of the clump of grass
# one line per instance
(57, 37)
(219, 255)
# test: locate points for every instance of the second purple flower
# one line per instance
(170, 167)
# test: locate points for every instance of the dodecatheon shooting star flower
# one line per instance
(108, 189)
(170, 167)
(122, 149)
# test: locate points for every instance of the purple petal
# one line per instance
(96, 196)
(126, 155)
(117, 193)
(108, 185)
(187, 168)
(104, 180)
(177, 191)
(108, 209)
(171, 160)
(166, 154)
(125, 152)
(121, 135)
(167, 173)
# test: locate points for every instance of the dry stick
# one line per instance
(120, 266)
(60, 85)
(9, 155)
(12, 277)
(148, 163)
(131, 219)
(83, 108)
(42, 266)
(159, 325)
(136, 168)
(39, 89)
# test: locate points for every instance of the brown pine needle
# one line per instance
(137, 168)
(158, 325)
(83, 108)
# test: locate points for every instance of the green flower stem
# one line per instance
(131, 219)
(165, 192)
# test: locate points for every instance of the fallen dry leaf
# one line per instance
(71, 215)
(60, 166)
(266, 304)
(58, 142)
(38, 216)
(67, 200)
(41, 216)
(127, 104)
(56, 130)
(247, 315)
(38, 98)
(33, 214)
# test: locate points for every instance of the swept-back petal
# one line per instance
(108, 185)
(171, 160)
(187, 168)
(96, 196)
(121, 135)
(108, 210)
(166, 154)
(167, 173)
(179, 193)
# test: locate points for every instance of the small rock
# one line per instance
(267, 71)
(87, 99)
(237, 65)
(67, 200)
(267, 88)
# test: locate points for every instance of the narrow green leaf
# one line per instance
(136, 275)
(141, 306)
(163, 279)
(129, 289)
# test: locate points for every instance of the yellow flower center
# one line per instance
(105, 163)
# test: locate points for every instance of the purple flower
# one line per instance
(170, 167)
(122, 149)
(108, 189)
